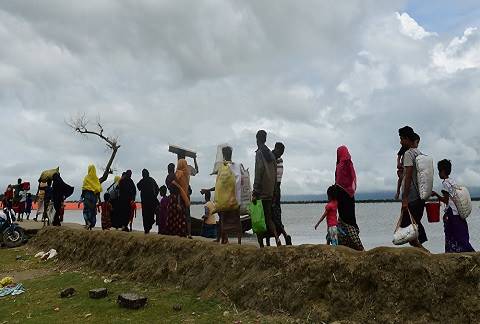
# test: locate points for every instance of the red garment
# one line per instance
(133, 211)
(106, 210)
(345, 175)
(331, 209)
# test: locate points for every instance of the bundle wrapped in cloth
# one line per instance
(48, 174)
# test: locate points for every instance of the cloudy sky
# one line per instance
(315, 75)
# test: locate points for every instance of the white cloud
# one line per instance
(409, 27)
(461, 53)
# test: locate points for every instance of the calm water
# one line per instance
(376, 222)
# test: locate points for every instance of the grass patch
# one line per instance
(42, 304)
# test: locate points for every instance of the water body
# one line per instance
(376, 221)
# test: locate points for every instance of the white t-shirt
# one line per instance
(448, 186)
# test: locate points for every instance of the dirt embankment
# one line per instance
(316, 282)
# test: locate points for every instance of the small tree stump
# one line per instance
(131, 301)
(67, 293)
(98, 293)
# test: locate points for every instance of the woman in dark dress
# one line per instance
(60, 192)
(148, 192)
(127, 193)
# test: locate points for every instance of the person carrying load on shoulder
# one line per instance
(228, 196)
(264, 183)
(192, 171)
(412, 203)
(457, 238)
(400, 156)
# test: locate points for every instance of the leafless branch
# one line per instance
(80, 125)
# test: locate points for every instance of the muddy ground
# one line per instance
(318, 283)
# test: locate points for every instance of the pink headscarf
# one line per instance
(345, 176)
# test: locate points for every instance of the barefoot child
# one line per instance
(106, 212)
(456, 228)
(209, 226)
(331, 215)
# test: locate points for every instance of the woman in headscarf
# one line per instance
(178, 182)
(91, 190)
(60, 192)
(127, 193)
(148, 193)
(346, 184)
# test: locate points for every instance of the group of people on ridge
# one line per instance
(171, 212)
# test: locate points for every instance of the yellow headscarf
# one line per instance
(91, 182)
(116, 180)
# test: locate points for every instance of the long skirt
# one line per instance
(457, 238)
(176, 220)
(348, 235)
(90, 208)
(115, 214)
(124, 212)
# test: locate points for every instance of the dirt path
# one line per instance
(26, 274)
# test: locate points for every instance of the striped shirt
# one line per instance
(279, 170)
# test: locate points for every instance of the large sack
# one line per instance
(48, 174)
(425, 172)
(462, 201)
(225, 193)
(246, 190)
(258, 217)
(219, 158)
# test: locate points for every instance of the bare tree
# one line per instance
(80, 125)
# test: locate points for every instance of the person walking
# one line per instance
(457, 237)
(277, 194)
(346, 185)
(91, 190)
(148, 193)
(177, 183)
(127, 194)
(411, 200)
(264, 183)
(60, 192)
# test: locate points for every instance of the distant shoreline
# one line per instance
(73, 205)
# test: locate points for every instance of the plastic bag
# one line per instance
(225, 191)
(403, 235)
(48, 174)
(246, 191)
(258, 217)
